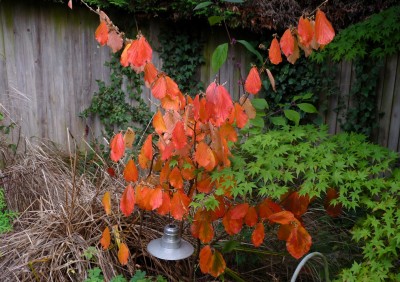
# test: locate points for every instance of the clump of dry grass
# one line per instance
(61, 216)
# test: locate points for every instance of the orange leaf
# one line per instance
(324, 32)
(199, 109)
(131, 172)
(257, 238)
(219, 103)
(287, 43)
(239, 211)
(188, 169)
(175, 178)
(101, 33)
(106, 201)
(117, 146)
(253, 82)
(123, 254)
(172, 88)
(271, 79)
(267, 208)
(178, 136)
(127, 203)
(105, 238)
(139, 53)
(158, 123)
(205, 257)
(305, 31)
(219, 211)
(297, 204)
(114, 41)
(218, 264)
(228, 132)
(165, 205)
(148, 147)
(171, 103)
(164, 174)
(129, 137)
(333, 211)
(159, 87)
(232, 226)
(201, 227)
(284, 231)
(251, 217)
(283, 217)
(204, 156)
(179, 205)
(124, 56)
(150, 74)
(156, 198)
(205, 185)
(275, 52)
(299, 242)
(295, 55)
(240, 115)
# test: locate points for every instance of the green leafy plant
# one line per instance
(6, 216)
(95, 275)
(110, 104)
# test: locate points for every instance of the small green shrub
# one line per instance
(95, 275)
(6, 216)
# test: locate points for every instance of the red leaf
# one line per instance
(131, 172)
(219, 103)
(253, 82)
(199, 109)
(111, 172)
(115, 41)
(305, 31)
(165, 205)
(251, 217)
(175, 178)
(139, 53)
(239, 211)
(123, 254)
(267, 208)
(284, 231)
(156, 198)
(205, 257)
(297, 204)
(275, 52)
(232, 226)
(257, 238)
(101, 33)
(287, 43)
(179, 205)
(178, 136)
(105, 238)
(240, 116)
(283, 217)
(127, 204)
(332, 210)
(299, 242)
(158, 123)
(106, 201)
(324, 32)
(117, 146)
(205, 185)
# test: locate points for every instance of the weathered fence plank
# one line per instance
(394, 129)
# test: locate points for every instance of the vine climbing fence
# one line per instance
(50, 61)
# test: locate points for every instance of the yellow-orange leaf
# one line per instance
(129, 137)
(283, 217)
(105, 238)
(127, 204)
(131, 172)
(123, 254)
(324, 32)
(299, 242)
(115, 41)
(175, 178)
(287, 43)
(275, 52)
(124, 56)
(158, 123)
(117, 146)
(253, 81)
(179, 205)
(101, 33)
(305, 31)
(106, 201)
(257, 238)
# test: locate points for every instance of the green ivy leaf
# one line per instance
(260, 104)
(292, 115)
(308, 108)
(213, 20)
(219, 56)
(251, 49)
(202, 5)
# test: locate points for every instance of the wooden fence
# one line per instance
(49, 63)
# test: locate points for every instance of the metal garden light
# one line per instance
(170, 246)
